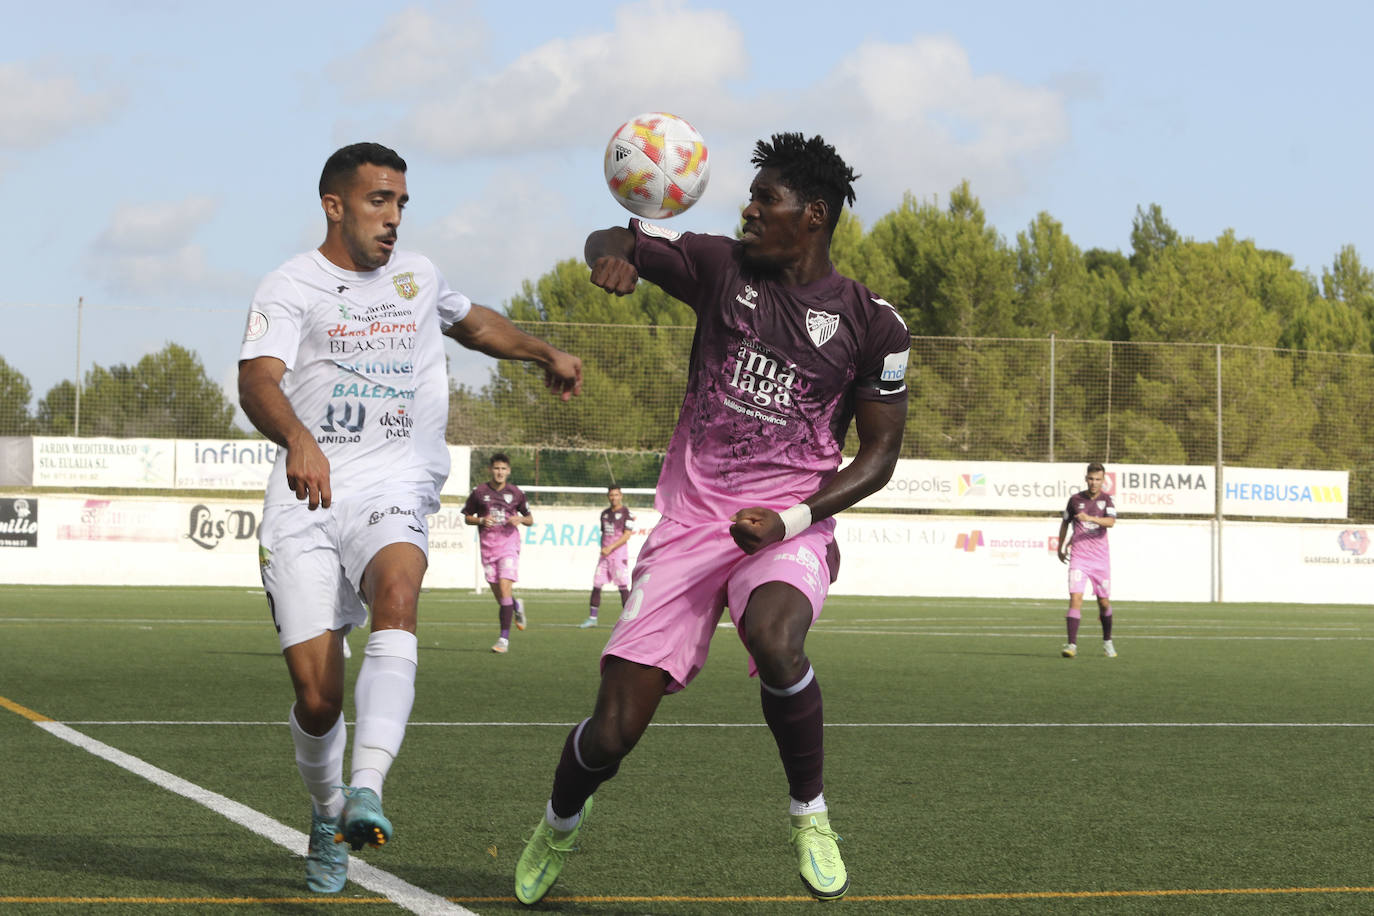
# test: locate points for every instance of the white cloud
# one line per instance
(37, 108)
(909, 116)
(513, 231)
(415, 50)
(147, 250)
(917, 117)
(565, 88)
(150, 228)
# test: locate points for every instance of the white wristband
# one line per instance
(795, 520)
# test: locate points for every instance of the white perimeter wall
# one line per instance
(130, 541)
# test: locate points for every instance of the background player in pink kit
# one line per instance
(613, 565)
(786, 353)
(1090, 512)
(498, 509)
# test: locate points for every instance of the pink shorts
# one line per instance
(1099, 576)
(686, 575)
(503, 567)
(612, 569)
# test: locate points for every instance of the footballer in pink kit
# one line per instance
(787, 354)
(617, 525)
(498, 509)
(1088, 515)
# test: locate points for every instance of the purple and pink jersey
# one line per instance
(774, 376)
(614, 524)
(775, 372)
(1088, 549)
(486, 501)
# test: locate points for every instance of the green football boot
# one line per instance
(542, 861)
(818, 856)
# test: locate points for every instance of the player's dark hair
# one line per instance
(499, 457)
(1094, 467)
(339, 168)
(812, 168)
(614, 487)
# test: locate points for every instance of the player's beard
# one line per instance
(365, 252)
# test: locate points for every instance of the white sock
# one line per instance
(320, 761)
(814, 806)
(383, 695)
(561, 824)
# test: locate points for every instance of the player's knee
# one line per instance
(394, 603)
(605, 743)
(318, 707)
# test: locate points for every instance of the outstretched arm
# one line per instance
(608, 253)
(260, 395)
(492, 333)
(879, 427)
(1064, 541)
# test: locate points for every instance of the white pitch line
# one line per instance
(402, 893)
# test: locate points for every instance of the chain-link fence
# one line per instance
(982, 399)
(972, 399)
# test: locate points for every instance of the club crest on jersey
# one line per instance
(405, 285)
(821, 326)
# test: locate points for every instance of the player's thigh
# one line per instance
(602, 576)
(620, 572)
(1078, 581)
(301, 573)
(501, 567)
(676, 598)
(368, 525)
(775, 596)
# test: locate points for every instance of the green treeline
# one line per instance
(1023, 349)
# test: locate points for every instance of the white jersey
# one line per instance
(365, 366)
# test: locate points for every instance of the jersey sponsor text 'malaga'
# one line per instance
(774, 376)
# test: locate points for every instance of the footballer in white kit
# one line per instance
(343, 366)
(366, 374)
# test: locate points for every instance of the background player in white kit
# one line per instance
(342, 365)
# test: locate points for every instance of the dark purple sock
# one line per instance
(507, 612)
(1106, 618)
(595, 603)
(1073, 629)
(798, 727)
(573, 783)
(624, 596)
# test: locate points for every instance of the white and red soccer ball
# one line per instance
(656, 165)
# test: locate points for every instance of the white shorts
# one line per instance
(312, 563)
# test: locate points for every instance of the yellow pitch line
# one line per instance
(798, 898)
(23, 711)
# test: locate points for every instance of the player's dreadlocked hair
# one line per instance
(812, 168)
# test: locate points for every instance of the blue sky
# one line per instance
(159, 157)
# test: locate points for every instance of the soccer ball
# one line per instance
(656, 165)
